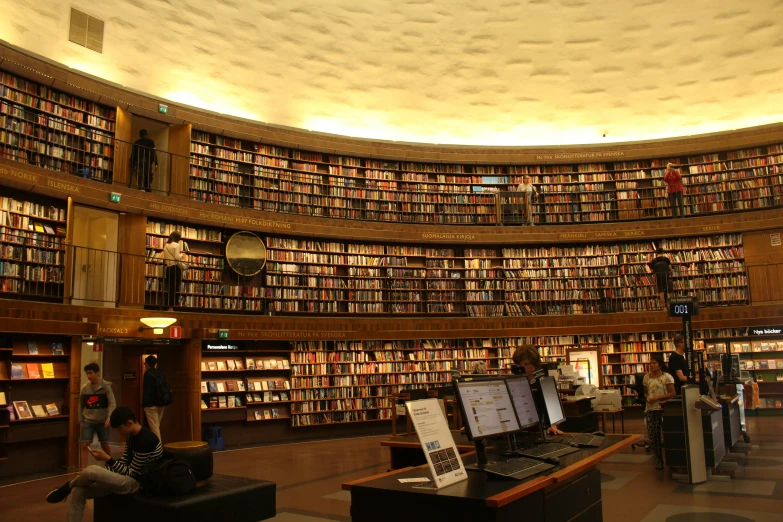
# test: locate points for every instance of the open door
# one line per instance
(95, 258)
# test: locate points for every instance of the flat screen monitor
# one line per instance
(551, 400)
(523, 400)
(487, 408)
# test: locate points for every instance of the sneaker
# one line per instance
(60, 494)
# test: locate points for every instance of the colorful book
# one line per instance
(203, 366)
(779, 364)
(213, 402)
(212, 366)
(38, 411)
(2, 399)
(32, 347)
(772, 364)
(250, 398)
(49, 230)
(48, 370)
(264, 385)
(238, 400)
(231, 365)
(22, 410)
(230, 386)
(275, 413)
(211, 386)
(756, 347)
(267, 414)
(764, 347)
(287, 385)
(52, 410)
(773, 347)
(267, 397)
(16, 371)
(221, 387)
(230, 401)
(204, 405)
(221, 366)
(239, 364)
(763, 365)
(240, 385)
(250, 364)
(57, 349)
(273, 364)
(275, 396)
(33, 371)
(257, 414)
(204, 388)
(267, 365)
(222, 402)
(746, 347)
(257, 397)
(259, 364)
(286, 365)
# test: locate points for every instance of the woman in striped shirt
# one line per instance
(118, 476)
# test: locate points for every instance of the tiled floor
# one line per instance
(309, 476)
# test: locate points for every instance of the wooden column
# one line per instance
(765, 266)
(132, 247)
(182, 367)
(74, 389)
(122, 149)
(179, 146)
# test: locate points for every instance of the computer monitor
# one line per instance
(552, 408)
(486, 407)
(523, 400)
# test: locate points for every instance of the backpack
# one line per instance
(163, 393)
(167, 477)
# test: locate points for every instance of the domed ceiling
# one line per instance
(483, 72)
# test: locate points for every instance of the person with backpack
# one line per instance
(156, 395)
(121, 477)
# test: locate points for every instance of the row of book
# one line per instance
(32, 371)
(248, 363)
(763, 364)
(21, 410)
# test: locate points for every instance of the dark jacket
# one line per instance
(149, 396)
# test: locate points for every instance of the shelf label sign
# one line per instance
(774, 239)
(767, 330)
(442, 456)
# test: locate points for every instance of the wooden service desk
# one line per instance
(569, 492)
(405, 450)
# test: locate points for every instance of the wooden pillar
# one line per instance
(122, 147)
(69, 253)
(182, 367)
(179, 171)
(72, 398)
(765, 266)
(132, 249)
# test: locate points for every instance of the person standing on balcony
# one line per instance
(674, 188)
(144, 161)
(529, 192)
(660, 266)
(176, 263)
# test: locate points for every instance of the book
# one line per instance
(257, 414)
(264, 385)
(203, 366)
(267, 364)
(272, 385)
(250, 398)
(212, 366)
(230, 401)
(257, 397)
(22, 410)
(38, 411)
(231, 386)
(710, 348)
(275, 396)
(772, 364)
(773, 347)
(287, 385)
(10, 410)
(745, 347)
(239, 364)
(756, 347)
(259, 364)
(48, 229)
(275, 413)
(222, 403)
(256, 386)
(237, 400)
(267, 397)
(779, 376)
(231, 365)
(240, 385)
(213, 402)
(764, 347)
(52, 410)
(33, 371)
(284, 396)
(221, 366)
(221, 387)
(204, 388)
(204, 405)
(57, 349)
(32, 347)
(286, 365)
(267, 414)
(212, 386)
(779, 364)
(273, 364)
(48, 370)
(2, 399)
(720, 348)
(763, 365)
(250, 363)
(39, 228)
(16, 371)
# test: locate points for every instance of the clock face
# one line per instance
(246, 253)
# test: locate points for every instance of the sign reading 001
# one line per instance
(680, 306)
(246, 253)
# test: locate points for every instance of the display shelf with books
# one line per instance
(53, 130)
(32, 245)
(244, 382)
(208, 281)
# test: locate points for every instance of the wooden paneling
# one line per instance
(182, 367)
(179, 146)
(69, 252)
(184, 210)
(123, 133)
(132, 240)
(74, 390)
(765, 266)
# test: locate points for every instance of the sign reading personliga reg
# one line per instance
(436, 441)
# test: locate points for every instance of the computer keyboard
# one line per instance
(518, 469)
(548, 449)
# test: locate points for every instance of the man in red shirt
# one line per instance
(673, 180)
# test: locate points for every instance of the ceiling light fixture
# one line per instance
(156, 323)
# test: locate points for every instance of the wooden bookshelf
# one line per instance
(208, 283)
(32, 245)
(54, 130)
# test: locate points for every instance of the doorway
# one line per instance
(95, 257)
(159, 133)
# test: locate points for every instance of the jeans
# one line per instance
(154, 415)
(675, 201)
(173, 283)
(94, 482)
(654, 425)
(90, 429)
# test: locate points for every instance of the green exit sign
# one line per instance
(223, 334)
(114, 197)
(163, 109)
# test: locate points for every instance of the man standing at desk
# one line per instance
(678, 367)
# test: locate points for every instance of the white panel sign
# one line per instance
(436, 441)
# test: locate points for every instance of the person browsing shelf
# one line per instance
(121, 477)
(527, 357)
(658, 388)
(661, 265)
(678, 367)
(175, 259)
(96, 404)
(529, 192)
(675, 189)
